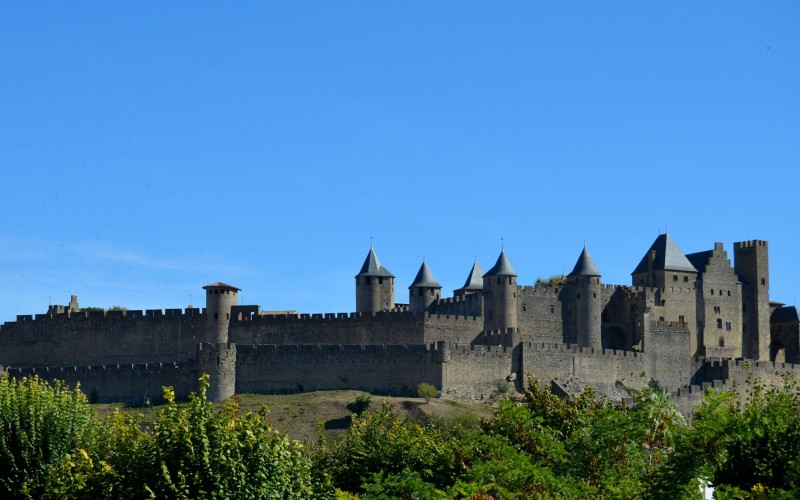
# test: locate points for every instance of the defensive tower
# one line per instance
(424, 291)
(220, 297)
(751, 263)
(374, 286)
(474, 283)
(584, 282)
(500, 294)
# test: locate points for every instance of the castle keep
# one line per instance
(685, 320)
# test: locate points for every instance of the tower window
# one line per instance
(552, 309)
(499, 281)
(216, 315)
(524, 307)
(712, 291)
(722, 341)
(579, 295)
(685, 279)
(719, 323)
(763, 281)
(674, 277)
(728, 325)
(594, 295)
(380, 281)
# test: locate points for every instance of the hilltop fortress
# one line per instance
(685, 321)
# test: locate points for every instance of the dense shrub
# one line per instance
(39, 424)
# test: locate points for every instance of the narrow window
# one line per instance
(719, 323)
(552, 309)
(380, 281)
(712, 291)
(216, 315)
(498, 281)
(594, 295)
(722, 341)
(681, 320)
(674, 277)
(763, 281)
(579, 295)
(524, 307)
(729, 293)
(685, 279)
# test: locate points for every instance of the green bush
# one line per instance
(193, 451)
(427, 391)
(39, 424)
(360, 405)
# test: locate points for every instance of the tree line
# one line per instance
(747, 444)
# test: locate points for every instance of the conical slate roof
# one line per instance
(668, 257)
(372, 267)
(502, 267)
(585, 265)
(425, 278)
(475, 278)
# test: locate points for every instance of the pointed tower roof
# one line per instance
(668, 257)
(502, 267)
(372, 267)
(585, 265)
(425, 278)
(475, 278)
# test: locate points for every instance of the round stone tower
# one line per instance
(374, 286)
(585, 288)
(500, 296)
(424, 291)
(220, 297)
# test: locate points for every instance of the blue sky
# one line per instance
(149, 149)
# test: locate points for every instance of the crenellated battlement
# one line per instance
(750, 243)
(582, 351)
(83, 316)
(61, 372)
(333, 317)
(540, 290)
(378, 349)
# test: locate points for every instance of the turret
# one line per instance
(474, 283)
(374, 286)
(220, 297)
(751, 264)
(585, 288)
(424, 291)
(500, 294)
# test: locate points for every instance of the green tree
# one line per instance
(554, 281)
(427, 391)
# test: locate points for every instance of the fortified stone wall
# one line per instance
(98, 338)
(384, 369)
(332, 328)
(540, 317)
(545, 362)
(124, 383)
(460, 305)
(474, 372)
(461, 330)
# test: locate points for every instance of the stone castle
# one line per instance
(685, 321)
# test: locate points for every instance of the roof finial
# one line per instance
(584, 244)
(371, 247)
(502, 244)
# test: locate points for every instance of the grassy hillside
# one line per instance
(298, 414)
